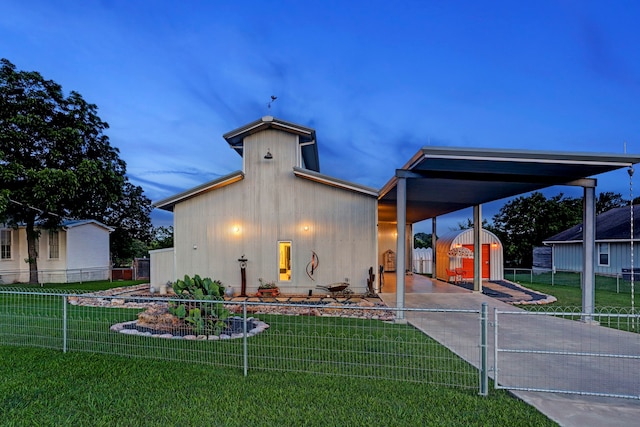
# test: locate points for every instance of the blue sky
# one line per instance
(376, 79)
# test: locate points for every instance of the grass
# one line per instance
(303, 371)
(567, 290)
(50, 388)
(100, 285)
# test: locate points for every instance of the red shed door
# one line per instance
(467, 263)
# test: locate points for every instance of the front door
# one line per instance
(467, 263)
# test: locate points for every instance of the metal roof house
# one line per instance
(279, 210)
(612, 251)
(291, 224)
(449, 259)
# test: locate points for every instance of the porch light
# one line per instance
(305, 228)
(268, 156)
(236, 229)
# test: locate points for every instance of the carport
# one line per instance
(440, 180)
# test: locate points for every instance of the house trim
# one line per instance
(334, 182)
(169, 203)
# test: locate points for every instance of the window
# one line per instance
(284, 261)
(603, 254)
(54, 245)
(5, 244)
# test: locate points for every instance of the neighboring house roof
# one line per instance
(168, 203)
(70, 223)
(612, 225)
(307, 138)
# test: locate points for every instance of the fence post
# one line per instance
(245, 348)
(64, 323)
(484, 376)
(495, 348)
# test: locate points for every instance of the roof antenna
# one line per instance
(273, 99)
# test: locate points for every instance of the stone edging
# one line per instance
(260, 326)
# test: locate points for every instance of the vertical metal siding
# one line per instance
(269, 205)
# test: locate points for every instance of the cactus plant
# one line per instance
(202, 316)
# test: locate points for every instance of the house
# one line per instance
(454, 250)
(293, 225)
(612, 252)
(77, 251)
(279, 219)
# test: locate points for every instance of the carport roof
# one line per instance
(441, 180)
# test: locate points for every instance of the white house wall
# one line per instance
(162, 266)
(88, 249)
(270, 205)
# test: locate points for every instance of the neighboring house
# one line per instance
(613, 248)
(450, 259)
(293, 225)
(79, 250)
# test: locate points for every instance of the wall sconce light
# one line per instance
(305, 228)
(268, 156)
(236, 229)
(395, 234)
(494, 245)
(195, 247)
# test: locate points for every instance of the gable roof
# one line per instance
(70, 223)
(168, 203)
(334, 182)
(612, 225)
(306, 138)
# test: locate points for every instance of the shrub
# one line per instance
(202, 316)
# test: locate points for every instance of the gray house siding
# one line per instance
(568, 257)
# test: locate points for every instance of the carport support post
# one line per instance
(477, 248)
(401, 246)
(434, 237)
(588, 245)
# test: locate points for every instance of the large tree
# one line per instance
(524, 222)
(56, 160)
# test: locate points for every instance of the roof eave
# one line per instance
(169, 203)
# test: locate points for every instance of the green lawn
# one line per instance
(303, 370)
(566, 289)
(85, 286)
(50, 388)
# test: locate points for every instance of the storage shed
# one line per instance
(450, 258)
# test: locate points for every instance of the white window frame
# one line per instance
(55, 255)
(6, 237)
(601, 252)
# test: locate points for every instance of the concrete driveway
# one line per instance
(552, 372)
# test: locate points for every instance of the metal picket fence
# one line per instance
(567, 351)
(355, 341)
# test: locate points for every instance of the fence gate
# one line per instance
(562, 352)
(142, 268)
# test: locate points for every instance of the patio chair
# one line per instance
(454, 274)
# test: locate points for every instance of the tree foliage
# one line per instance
(56, 160)
(422, 240)
(525, 222)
